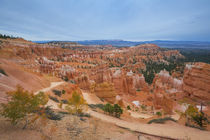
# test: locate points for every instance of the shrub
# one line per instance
(63, 112)
(191, 111)
(200, 119)
(66, 78)
(76, 104)
(115, 110)
(159, 113)
(161, 120)
(194, 126)
(72, 81)
(64, 101)
(3, 72)
(51, 114)
(84, 115)
(63, 91)
(101, 106)
(143, 107)
(94, 106)
(23, 105)
(128, 107)
(195, 116)
(54, 99)
(138, 90)
(57, 92)
(108, 108)
(60, 105)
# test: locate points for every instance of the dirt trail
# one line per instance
(173, 130)
(50, 102)
(138, 115)
(52, 85)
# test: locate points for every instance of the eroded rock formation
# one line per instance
(197, 81)
(104, 91)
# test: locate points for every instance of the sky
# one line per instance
(135, 20)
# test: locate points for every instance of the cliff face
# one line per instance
(128, 82)
(123, 82)
(101, 74)
(165, 82)
(83, 82)
(166, 89)
(104, 91)
(197, 81)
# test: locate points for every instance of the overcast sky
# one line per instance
(106, 19)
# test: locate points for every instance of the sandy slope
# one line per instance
(17, 75)
(91, 98)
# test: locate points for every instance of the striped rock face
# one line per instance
(197, 80)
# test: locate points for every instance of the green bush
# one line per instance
(66, 78)
(143, 107)
(138, 90)
(194, 126)
(54, 99)
(76, 104)
(159, 113)
(63, 112)
(72, 81)
(84, 115)
(200, 119)
(64, 101)
(3, 72)
(101, 106)
(109, 108)
(51, 114)
(57, 92)
(196, 116)
(128, 107)
(63, 91)
(161, 120)
(94, 106)
(115, 110)
(23, 104)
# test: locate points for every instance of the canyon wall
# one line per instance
(197, 81)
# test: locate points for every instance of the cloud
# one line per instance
(110, 19)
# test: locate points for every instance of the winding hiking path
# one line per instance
(173, 131)
(52, 85)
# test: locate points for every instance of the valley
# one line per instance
(146, 81)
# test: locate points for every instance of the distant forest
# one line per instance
(7, 36)
(195, 54)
